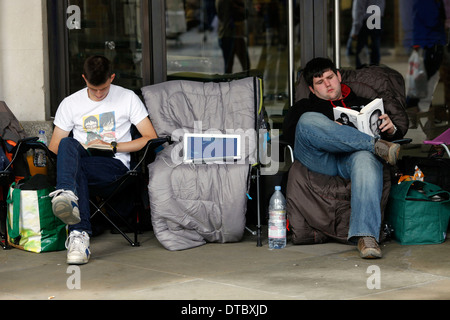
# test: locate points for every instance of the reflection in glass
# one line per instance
(232, 38)
(231, 33)
(110, 28)
(396, 41)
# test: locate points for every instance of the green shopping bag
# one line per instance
(418, 212)
(32, 226)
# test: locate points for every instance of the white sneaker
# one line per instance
(65, 206)
(77, 245)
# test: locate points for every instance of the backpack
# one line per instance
(11, 132)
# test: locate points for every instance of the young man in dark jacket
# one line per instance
(328, 147)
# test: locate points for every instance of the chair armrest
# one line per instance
(285, 144)
(150, 146)
(23, 145)
(403, 141)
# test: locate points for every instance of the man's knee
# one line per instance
(310, 121)
(367, 164)
(68, 143)
(312, 118)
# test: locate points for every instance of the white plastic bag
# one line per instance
(416, 79)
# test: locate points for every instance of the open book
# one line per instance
(366, 120)
(103, 150)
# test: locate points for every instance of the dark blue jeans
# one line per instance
(77, 170)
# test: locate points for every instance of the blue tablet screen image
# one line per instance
(210, 148)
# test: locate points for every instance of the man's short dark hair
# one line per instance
(316, 67)
(97, 70)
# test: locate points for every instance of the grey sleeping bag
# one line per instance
(192, 204)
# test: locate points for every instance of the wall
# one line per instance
(24, 58)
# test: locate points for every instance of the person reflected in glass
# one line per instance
(231, 33)
(362, 30)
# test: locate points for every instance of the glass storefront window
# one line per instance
(111, 28)
(395, 50)
(198, 41)
(224, 39)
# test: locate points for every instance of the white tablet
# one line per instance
(215, 148)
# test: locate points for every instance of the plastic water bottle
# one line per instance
(277, 220)
(40, 157)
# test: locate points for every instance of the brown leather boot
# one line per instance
(387, 151)
(368, 248)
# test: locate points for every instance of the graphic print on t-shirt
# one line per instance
(102, 126)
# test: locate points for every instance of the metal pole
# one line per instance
(337, 34)
(291, 66)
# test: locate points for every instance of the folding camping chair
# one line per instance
(441, 140)
(133, 182)
(6, 178)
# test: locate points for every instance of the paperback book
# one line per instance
(366, 120)
(103, 150)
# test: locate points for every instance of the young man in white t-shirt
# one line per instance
(101, 113)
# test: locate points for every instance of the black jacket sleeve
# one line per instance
(291, 119)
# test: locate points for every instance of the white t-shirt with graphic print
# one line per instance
(108, 120)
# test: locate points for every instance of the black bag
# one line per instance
(435, 170)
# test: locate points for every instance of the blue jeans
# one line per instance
(326, 147)
(77, 170)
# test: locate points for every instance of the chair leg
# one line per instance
(4, 238)
(3, 228)
(98, 208)
(255, 177)
(258, 227)
(4, 242)
(135, 229)
(134, 243)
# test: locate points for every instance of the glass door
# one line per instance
(394, 24)
(105, 27)
(226, 39)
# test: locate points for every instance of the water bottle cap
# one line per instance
(277, 188)
(41, 132)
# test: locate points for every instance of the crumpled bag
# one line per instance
(418, 176)
(416, 78)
